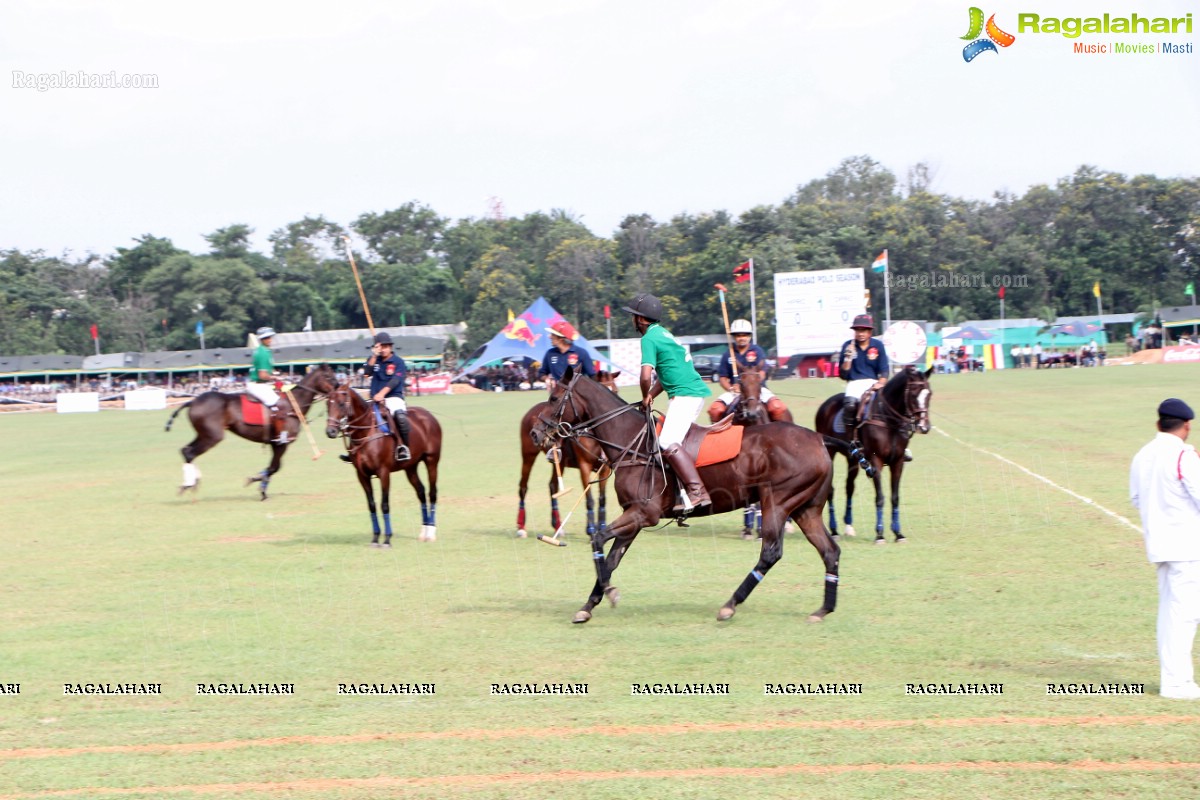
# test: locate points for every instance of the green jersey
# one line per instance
(673, 362)
(263, 360)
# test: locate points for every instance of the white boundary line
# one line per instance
(1085, 500)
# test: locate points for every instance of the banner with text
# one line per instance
(813, 310)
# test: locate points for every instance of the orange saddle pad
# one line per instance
(252, 410)
(715, 447)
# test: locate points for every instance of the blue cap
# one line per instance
(1174, 407)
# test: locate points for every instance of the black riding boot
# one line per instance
(850, 417)
(685, 470)
(402, 427)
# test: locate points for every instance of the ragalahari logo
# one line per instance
(518, 328)
(994, 37)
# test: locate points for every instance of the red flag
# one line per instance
(1001, 293)
(741, 273)
(607, 313)
(95, 331)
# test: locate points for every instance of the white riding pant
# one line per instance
(681, 413)
(858, 388)
(765, 394)
(394, 404)
(1178, 615)
(265, 392)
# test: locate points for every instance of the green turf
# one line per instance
(109, 577)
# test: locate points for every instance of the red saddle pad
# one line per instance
(715, 447)
(252, 411)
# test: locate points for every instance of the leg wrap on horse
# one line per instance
(831, 587)
(685, 470)
(716, 411)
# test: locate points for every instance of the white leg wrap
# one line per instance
(191, 474)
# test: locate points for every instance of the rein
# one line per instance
(889, 413)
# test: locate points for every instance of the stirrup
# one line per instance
(347, 458)
(403, 453)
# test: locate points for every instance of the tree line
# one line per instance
(1137, 237)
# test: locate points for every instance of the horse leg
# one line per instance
(555, 519)
(585, 476)
(879, 501)
(602, 521)
(748, 521)
(264, 477)
(769, 555)
(414, 479)
(809, 520)
(385, 492)
(623, 531)
(528, 456)
(191, 473)
(896, 471)
(851, 476)
(364, 480)
(429, 520)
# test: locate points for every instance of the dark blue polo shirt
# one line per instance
(869, 362)
(754, 356)
(556, 362)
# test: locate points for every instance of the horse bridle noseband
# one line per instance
(909, 422)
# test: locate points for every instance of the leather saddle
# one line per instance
(711, 444)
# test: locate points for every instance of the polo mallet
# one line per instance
(554, 540)
(361, 294)
(720, 287)
(562, 490)
(317, 452)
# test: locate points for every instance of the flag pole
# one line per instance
(753, 308)
(887, 291)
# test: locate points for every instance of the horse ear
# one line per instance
(570, 373)
(928, 372)
(616, 375)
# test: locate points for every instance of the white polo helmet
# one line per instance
(741, 326)
(265, 332)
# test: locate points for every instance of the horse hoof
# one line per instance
(817, 617)
(375, 544)
(726, 612)
(613, 595)
(581, 616)
(900, 539)
(748, 536)
(521, 534)
(880, 540)
(428, 533)
(388, 545)
(850, 530)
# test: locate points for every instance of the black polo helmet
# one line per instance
(645, 305)
(383, 337)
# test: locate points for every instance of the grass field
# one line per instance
(109, 577)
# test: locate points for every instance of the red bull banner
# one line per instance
(431, 384)
(1181, 354)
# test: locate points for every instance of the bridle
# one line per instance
(914, 416)
(339, 399)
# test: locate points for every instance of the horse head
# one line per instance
(750, 410)
(321, 379)
(576, 399)
(916, 397)
(340, 410)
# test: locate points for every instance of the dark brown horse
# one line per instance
(900, 409)
(783, 466)
(373, 453)
(213, 413)
(574, 455)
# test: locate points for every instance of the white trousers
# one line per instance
(681, 413)
(264, 392)
(765, 395)
(1178, 615)
(394, 404)
(858, 388)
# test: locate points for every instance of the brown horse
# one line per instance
(750, 410)
(900, 409)
(578, 455)
(373, 452)
(213, 413)
(785, 467)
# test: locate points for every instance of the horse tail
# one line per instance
(841, 445)
(171, 419)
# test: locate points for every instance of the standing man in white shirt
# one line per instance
(1164, 485)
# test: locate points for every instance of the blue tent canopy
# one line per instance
(525, 336)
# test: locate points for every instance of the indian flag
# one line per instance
(880, 264)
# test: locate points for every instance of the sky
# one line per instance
(266, 112)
